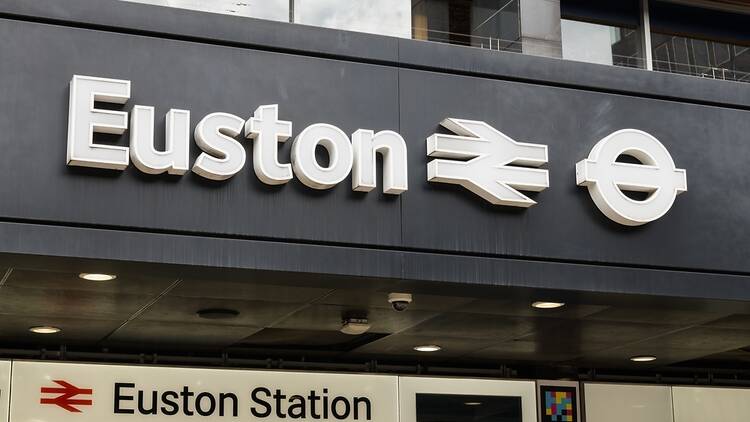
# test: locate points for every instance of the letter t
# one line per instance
(267, 130)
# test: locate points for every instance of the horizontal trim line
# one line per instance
(384, 248)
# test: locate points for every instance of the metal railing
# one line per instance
(701, 71)
(487, 43)
(527, 47)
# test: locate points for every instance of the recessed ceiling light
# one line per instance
(547, 305)
(97, 276)
(473, 403)
(44, 329)
(217, 313)
(428, 348)
(354, 326)
(644, 358)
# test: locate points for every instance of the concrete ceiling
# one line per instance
(291, 316)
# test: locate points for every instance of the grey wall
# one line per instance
(202, 79)
(432, 232)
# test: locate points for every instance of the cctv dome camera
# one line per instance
(399, 301)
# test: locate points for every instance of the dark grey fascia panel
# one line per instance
(703, 231)
(190, 254)
(202, 78)
(117, 15)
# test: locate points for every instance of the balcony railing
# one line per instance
(701, 71)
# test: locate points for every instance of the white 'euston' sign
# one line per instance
(478, 157)
(222, 155)
(63, 392)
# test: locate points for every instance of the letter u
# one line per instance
(142, 409)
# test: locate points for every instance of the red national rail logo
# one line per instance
(67, 394)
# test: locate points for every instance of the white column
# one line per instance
(540, 27)
(646, 35)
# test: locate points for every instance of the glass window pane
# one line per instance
(662, 55)
(699, 57)
(277, 10)
(708, 50)
(491, 24)
(627, 49)
(680, 48)
(496, 19)
(385, 17)
(625, 13)
(701, 54)
(467, 408)
(602, 44)
(742, 63)
(586, 42)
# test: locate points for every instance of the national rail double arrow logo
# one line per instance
(67, 394)
(496, 166)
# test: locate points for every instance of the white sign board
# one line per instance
(60, 392)
(4, 390)
(697, 404)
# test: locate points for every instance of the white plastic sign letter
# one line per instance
(493, 168)
(223, 156)
(84, 120)
(305, 164)
(392, 147)
(267, 131)
(176, 156)
(606, 178)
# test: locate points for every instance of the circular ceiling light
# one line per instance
(473, 403)
(643, 358)
(547, 305)
(44, 329)
(217, 313)
(97, 276)
(355, 326)
(428, 348)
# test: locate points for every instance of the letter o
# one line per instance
(340, 152)
(211, 404)
(334, 408)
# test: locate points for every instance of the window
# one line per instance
(704, 58)
(435, 399)
(467, 408)
(491, 24)
(603, 44)
(700, 42)
(602, 32)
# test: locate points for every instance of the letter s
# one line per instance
(261, 402)
(222, 156)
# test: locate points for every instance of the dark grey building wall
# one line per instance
(203, 79)
(209, 63)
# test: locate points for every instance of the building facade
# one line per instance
(433, 210)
